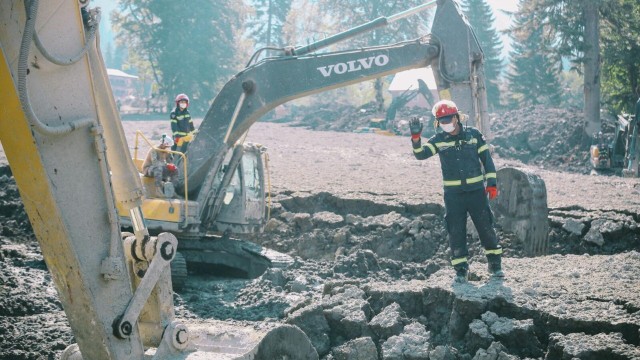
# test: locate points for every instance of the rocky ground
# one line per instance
(364, 222)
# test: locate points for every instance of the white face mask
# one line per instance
(182, 106)
(448, 127)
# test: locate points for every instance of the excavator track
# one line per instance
(247, 259)
(522, 209)
(179, 272)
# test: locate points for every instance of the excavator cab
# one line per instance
(239, 208)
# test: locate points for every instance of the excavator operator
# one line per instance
(462, 151)
(181, 124)
(158, 165)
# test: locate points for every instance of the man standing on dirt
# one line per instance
(462, 151)
(181, 124)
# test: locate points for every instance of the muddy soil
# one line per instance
(364, 222)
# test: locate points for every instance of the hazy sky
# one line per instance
(502, 21)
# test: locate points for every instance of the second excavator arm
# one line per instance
(452, 51)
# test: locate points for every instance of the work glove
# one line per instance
(415, 126)
(492, 191)
(171, 167)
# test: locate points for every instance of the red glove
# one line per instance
(492, 191)
(171, 167)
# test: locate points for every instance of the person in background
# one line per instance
(157, 164)
(463, 153)
(181, 124)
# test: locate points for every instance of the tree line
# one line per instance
(565, 53)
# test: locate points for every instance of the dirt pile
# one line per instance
(537, 135)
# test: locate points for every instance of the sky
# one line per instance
(502, 21)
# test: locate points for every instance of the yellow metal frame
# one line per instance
(139, 135)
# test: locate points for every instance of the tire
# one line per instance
(179, 272)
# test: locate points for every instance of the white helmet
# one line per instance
(166, 140)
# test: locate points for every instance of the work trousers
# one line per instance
(476, 204)
(158, 172)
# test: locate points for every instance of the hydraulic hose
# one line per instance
(25, 45)
(64, 62)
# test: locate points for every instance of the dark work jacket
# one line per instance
(181, 122)
(462, 158)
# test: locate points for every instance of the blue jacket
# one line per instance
(461, 157)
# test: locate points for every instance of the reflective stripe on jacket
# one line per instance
(181, 122)
(462, 158)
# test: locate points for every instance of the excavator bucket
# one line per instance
(521, 208)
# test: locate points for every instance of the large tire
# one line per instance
(179, 272)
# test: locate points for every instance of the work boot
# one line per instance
(462, 273)
(495, 266)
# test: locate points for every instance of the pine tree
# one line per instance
(532, 79)
(482, 21)
(267, 24)
(191, 48)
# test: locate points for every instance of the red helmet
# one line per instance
(181, 97)
(444, 108)
(171, 167)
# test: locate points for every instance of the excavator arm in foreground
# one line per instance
(62, 136)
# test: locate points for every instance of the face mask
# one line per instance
(183, 106)
(448, 127)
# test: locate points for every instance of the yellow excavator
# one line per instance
(64, 141)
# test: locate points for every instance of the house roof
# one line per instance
(408, 79)
(120, 73)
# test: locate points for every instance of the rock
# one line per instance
(358, 264)
(275, 275)
(275, 225)
(389, 322)
(594, 236)
(517, 335)
(495, 352)
(412, 343)
(358, 349)
(348, 320)
(598, 346)
(478, 337)
(385, 220)
(573, 227)
(303, 221)
(312, 322)
(299, 284)
(327, 218)
(443, 353)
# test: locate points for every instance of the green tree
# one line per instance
(190, 47)
(576, 26)
(620, 33)
(482, 21)
(533, 78)
(350, 13)
(266, 26)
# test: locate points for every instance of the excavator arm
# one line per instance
(452, 51)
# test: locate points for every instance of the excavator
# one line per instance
(622, 154)
(65, 144)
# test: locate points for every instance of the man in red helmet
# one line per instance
(463, 153)
(181, 124)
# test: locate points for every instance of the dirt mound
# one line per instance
(536, 135)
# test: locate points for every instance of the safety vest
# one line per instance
(181, 123)
(462, 159)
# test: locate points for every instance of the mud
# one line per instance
(364, 222)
